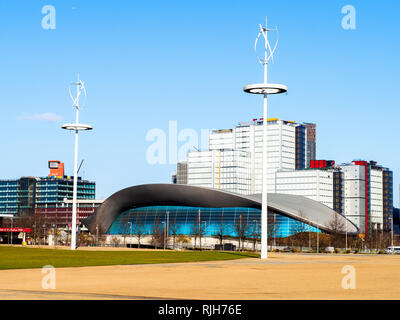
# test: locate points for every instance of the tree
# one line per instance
(338, 228)
(242, 229)
(115, 241)
(273, 228)
(299, 230)
(196, 230)
(255, 233)
(222, 230)
(174, 228)
(138, 229)
(157, 237)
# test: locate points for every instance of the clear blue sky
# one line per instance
(148, 62)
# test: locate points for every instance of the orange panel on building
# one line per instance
(56, 169)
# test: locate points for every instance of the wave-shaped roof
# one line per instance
(297, 207)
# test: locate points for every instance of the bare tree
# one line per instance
(255, 233)
(300, 229)
(222, 231)
(157, 237)
(242, 228)
(115, 241)
(273, 228)
(338, 229)
(174, 228)
(196, 230)
(138, 229)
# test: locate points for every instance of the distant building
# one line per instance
(61, 216)
(322, 184)
(181, 173)
(287, 150)
(311, 142)
(22, 196)
(227, 170)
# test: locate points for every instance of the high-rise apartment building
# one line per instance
(322, 185)
(227, 170)
(311, 142)
(362, 191)
(287, 147)
(287, 151)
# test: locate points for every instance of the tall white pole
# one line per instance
(392, 234)
(264, 208)
(75, 190)
(346, 234)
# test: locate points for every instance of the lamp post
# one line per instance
(317, 237)
(392, 234)
(44, 234)
(205, 232)
(167, 233)
(164, 232)
(265, 89)
(346, 234)
(255, 234)
(130, 233)
(97, 234)
(76, 127)
(12, 225)
(54, 235)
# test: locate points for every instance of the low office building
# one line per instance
(61, 216)
(22, 196)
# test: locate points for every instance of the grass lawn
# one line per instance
(23, 258)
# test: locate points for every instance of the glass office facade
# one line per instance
(23, 195)
(50, 192)
(9, 196)
(185, 220)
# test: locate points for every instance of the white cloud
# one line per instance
(47, 117)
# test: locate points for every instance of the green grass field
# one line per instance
(24, 258)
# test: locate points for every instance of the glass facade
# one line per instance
(50, 192)
(185, 220)
(22, 196)
(9, 196)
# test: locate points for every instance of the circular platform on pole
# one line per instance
(265, 88)
(76, 127)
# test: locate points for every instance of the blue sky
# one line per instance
(146, 63)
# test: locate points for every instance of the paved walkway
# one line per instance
(282, 276)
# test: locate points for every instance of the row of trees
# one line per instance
(241, 230)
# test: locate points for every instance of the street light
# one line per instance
(255, 234)
(44, 234)
(265, 89)
(76, 127)
(205, 232)
(54, 235)
(164, 232)
(167, 233)
(97, 235)
(130, 233)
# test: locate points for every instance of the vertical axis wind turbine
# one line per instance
(265, 89)
(76, 127)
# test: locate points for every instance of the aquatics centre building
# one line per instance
(184, 206)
